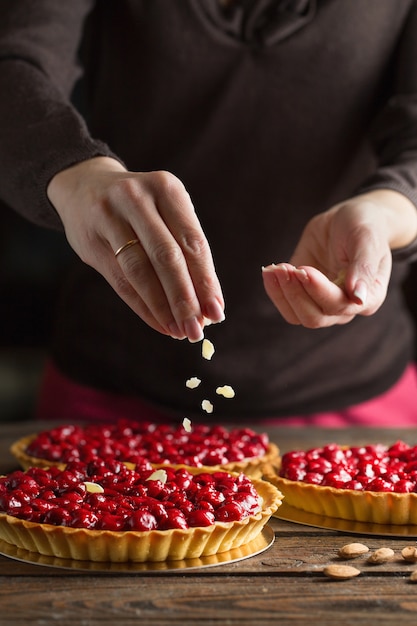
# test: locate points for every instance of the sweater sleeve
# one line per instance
(394, 132)
(41, 133)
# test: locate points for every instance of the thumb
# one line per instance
(360, 292)
(356, 289)
(366, 283)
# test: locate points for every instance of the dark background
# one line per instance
(33, 264)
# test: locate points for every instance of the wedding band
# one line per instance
(125, 246)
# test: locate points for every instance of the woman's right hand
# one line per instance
(168, 277)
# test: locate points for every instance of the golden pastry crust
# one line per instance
(18, 450)
(141, 546)
(362, 506)
(374, 483)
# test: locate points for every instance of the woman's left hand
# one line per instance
(341, 266)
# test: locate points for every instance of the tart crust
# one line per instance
(252, 467)
(141, 546)
(363, 506)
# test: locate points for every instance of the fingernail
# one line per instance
(214, 311)
(284, 270)
(361, 293)
(193, 330)
(301, 274)
(175, 331)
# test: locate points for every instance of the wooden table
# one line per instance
(283, 585)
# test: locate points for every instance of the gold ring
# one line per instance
(126, 245)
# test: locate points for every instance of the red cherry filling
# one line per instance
(134, 441)
(129, 500)
(368, 468)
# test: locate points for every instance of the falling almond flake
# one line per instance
(207, 406)
(160, 475)
(193, 382)
(93, 487)
(207, 349)
(186, 424)
(227, 391)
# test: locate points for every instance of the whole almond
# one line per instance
(382, 555)
(340, 572)
(352, 550)
(409, 553)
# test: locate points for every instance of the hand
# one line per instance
(342, 264)
(168, 277)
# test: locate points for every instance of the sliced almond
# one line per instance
(226, 391)
(207, 406)
(340, 572)
(340, 278)
(93, 487)
(352, 550)
(186, 423)
(193, 382)
(207, 349)
(160, 475)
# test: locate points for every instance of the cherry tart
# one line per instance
(236, 450)
(106, 511)
(372, 483)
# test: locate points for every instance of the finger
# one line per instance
(309, 306)
(166, 267)
(273, 277)
(126, 292)
(174, 242)
(161, 274)
(367, 284)
(117, 268)
(297, 300)
(324, 302)
(179, 215)
(138, 284)
(364, 289)
(155, 265)
(117, 279)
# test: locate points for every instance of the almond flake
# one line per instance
(93, 487)
(193, 382)
(160, 475)
(207, 406)
(186, 423)
(207, 349)
(340, 278)
(227, 391)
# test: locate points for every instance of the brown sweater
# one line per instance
(269, 112)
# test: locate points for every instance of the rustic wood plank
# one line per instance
(242, 600)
